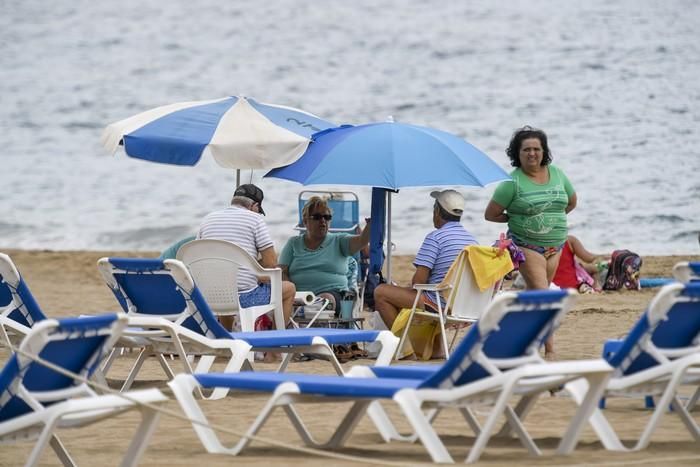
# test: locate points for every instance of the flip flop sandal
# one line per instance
(342, 353)
(357, 352)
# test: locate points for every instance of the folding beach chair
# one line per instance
(169, 315)
(660, 353)
(19, 311)
(345, 206)
(514, 324)
(466, 300)
(36, 400)
(214, 265)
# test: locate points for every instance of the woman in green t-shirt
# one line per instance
(534, 205)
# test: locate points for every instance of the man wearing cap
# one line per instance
(434, 258)
(242, 223)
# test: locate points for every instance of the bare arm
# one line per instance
(579, 251)
(495, 212)
(268, 258)
(421, 275)
(572, 203)
(357, 242)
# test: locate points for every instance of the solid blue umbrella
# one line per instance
(239, 132)
(391, 155)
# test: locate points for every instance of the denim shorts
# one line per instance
(258, 296)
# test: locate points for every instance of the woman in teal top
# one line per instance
(534, 205)
(318, 260)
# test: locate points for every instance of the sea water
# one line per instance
(614, 84)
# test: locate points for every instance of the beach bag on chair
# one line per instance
(623, 271)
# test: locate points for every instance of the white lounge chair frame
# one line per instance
(74, 406)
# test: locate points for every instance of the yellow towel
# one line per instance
(487, 265)
(420, 337)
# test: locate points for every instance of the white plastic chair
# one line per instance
(214, 265)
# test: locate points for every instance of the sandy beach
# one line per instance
(67, 283)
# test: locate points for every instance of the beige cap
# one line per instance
(450, 200)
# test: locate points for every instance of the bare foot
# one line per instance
(271, 357)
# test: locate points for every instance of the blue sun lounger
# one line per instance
(516, 323)
(36, 400)
(19, 311)
(660, 353)
(168, 315)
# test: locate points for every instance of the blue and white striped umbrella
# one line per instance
(239, 132)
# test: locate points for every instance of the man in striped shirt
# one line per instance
(243, 223)
(434, 258)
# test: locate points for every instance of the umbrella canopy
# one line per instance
(390, 155)
(239, 132)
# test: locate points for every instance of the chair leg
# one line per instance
(149, 420)
(686, 418)
(693, 400)
(344, 430)
(382, 422)
(46, 437)
(517, 425)
(596, 385)
(522, 409)
(60, 451)
(471, 420)
(143, 355)
(496, 411)
(411, 408)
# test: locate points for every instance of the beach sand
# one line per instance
(67, 283)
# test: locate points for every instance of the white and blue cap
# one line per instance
(450, 200)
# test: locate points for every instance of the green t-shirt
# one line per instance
(320, 270)
(536, 212)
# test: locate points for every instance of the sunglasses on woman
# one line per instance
(318, 217)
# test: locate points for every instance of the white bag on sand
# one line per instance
(377, 324)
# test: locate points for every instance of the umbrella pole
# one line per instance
(388, 237)
(238, 178)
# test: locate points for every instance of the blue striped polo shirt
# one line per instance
(441, 247)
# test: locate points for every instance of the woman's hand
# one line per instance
(357, 242)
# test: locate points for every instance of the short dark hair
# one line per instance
(516, 141)
(446, 216)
